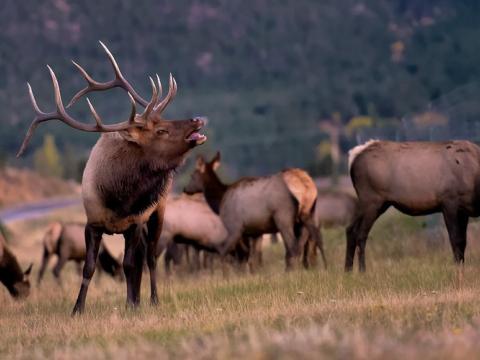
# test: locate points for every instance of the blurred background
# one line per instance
(283, 83)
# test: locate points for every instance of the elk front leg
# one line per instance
(133, 263)
(43, 267)
(93, 237)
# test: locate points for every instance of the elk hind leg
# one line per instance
(457, 223)
(370, 215)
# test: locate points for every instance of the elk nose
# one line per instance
(200, 120)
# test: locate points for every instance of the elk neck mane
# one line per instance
(357, 150)
(130, 180)
(214, 192)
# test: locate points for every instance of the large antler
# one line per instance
(120, 81)
(93, 85)
(61, 114)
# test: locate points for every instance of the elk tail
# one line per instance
(357, 150)
(303, 189)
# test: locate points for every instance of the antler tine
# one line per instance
(151, 105)
(40, 116)
(61, 114)
(119, 81)
(172, 91)
(133, 112)
(98, 120)
(159, 83)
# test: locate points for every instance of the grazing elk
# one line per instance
(189, 220)
(417, 178)
(67, 241)
(15, 280)
(252, 207)
(128, 174)
(334, 208)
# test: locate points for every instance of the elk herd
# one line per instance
(126, 189)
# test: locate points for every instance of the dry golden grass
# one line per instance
(409, 304)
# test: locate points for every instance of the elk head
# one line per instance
(148, 130)
(21, 289)
(203, 174)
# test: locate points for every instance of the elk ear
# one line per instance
(132, 135)
(215, 161)
(29, 270)
(200, 164)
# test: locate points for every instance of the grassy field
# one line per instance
(409, 304)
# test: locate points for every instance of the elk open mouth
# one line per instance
(196, 138)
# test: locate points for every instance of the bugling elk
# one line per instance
(417, 178)
(283, 202)
(127, 175)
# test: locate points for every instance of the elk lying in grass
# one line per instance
(252, 207)
(127, 175)
(15, 280)
(417, 178)
(189, 220)
(67, 241)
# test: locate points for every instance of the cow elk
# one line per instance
(15, 280)
(283, 202)
(128, 174)
(190, 221)
(67, 241)
(417, 178)
(335, 208)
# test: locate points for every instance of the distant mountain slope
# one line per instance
(19, 186)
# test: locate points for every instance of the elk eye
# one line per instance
(161, 132)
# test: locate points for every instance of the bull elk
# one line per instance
(417, 178)
(15, 280)
(252, 207)
(127, 175)
(67, 241)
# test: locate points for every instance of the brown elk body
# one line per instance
(417, 178)
(67, 241)
(335, 208)
(127, 175)
(252, 207)
(189, 220)
(15, 280)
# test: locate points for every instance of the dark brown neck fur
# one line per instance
(133, 186)
(214, 190)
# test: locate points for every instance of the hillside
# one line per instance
(264, 72)
(19, 186)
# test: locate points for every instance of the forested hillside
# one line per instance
(266, 73)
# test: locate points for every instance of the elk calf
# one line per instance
(417, 178)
